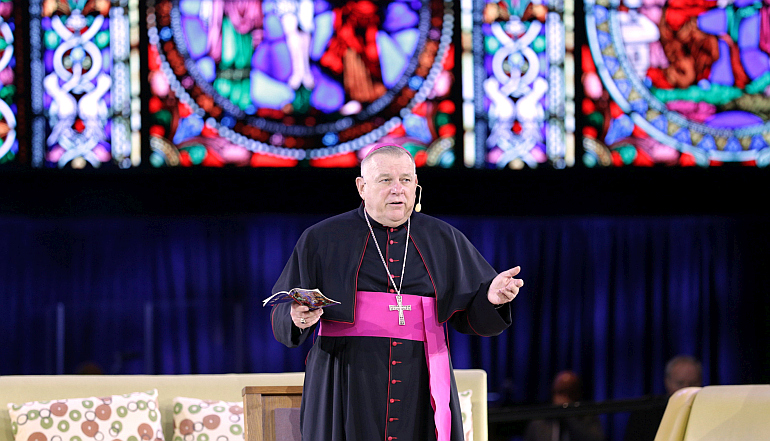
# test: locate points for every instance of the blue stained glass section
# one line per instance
(273, 28)
(207, 68)
(621, 127)
(190, 7)
(600, 14)
(733, 145)
(324, 29)
(392, 59)
(734, 119)
(683, 136)
(707, 143)
(269, 93)
(757, 143)
(713, 22)
(408, 40)
(330, 139)
(195, 36)
(660, 123)
(612, 64)
(722, 70)
(755, 62)
(273, 59)
(399, 16)
(415, 82)
(417, 127)
(603, 38)
(624, 86)
(328, 96)
(639, 106)
(748, 32)
(188, 128)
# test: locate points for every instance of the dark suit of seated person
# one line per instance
(567, 388)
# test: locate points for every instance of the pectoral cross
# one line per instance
(400, 308)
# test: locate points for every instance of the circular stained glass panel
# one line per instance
(276, 82)
(684, 80)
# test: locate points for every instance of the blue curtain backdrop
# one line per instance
(610, 297)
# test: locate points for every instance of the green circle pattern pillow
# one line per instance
(207, 420)
(129, 417)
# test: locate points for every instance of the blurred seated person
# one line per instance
(567, 388)
(681, 371)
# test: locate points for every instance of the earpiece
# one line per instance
(418, 206)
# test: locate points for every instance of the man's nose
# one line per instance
(397, 188)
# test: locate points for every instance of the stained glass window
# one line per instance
(294, 82)
(318, 82)
(676, 83)
(518, 83)
(9, 145)
(85, 88)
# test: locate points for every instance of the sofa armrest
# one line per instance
(734, 412)
(674, 423)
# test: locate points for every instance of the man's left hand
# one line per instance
(505, 287)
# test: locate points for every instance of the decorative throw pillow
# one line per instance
(207, 420)
(129, 417)
(465, 409)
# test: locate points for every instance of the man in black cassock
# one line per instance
(362, 385)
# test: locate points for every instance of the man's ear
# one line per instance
(360, 186)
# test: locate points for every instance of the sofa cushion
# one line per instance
(466, 410)
(129, 417)
(207, 420)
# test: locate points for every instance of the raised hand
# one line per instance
(505, 287)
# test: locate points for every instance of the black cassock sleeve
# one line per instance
(299, 272)
(482, 317)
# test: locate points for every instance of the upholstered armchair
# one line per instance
(717, 413)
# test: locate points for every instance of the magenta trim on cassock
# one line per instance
(375, 319)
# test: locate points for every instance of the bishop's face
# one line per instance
(388, 188)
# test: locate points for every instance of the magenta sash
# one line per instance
(373, 318)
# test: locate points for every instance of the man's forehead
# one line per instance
(390, 173)
(389, 164)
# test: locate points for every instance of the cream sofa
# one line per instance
(717, 413)
(227, 387)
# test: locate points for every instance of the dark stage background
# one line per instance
(164, 272)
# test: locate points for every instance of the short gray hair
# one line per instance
(684, 359)
(388, 149)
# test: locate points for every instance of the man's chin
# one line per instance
(398, 215)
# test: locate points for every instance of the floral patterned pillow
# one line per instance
(465, 409)
(207, 420)
(129, 417)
